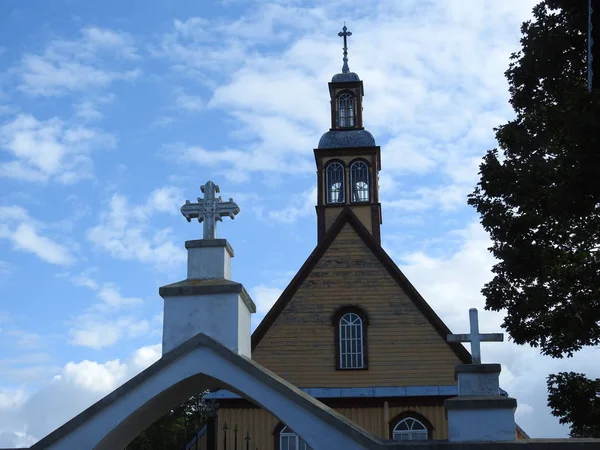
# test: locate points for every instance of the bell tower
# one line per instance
(348, 161)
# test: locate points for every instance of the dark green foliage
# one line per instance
(576, 400)
(174, 430)
(539, 191)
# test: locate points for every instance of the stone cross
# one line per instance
(345, 33)
(209, 210)
(474, 337)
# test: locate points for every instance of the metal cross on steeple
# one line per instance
(209, 210)
(474, 337)
(345, 33)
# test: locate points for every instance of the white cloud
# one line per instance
(97, 333)
(78, 65)
(124, 231)
(24, 233)
(25, 417)
(188, 102)
(102, 325)
(51, 149)
(301, 205)
(264, 297)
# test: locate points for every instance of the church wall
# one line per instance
(262, 424)
(362, 212)
(403, 347)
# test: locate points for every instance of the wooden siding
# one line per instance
(403, 347)
(261, 424)
(363, 212)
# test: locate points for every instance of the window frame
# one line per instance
(283, 430)
(335, 321)
(395, 421)
(343, 181)
(353, 118)
(351, 183)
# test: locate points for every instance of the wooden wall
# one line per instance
(262, 424)
(404, 348)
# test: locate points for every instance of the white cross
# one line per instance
(474, 337)
(209, 210)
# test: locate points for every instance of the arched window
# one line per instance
(288, 440)
(345, 110)
(351, 342)
(410, 426)
(359, 181)
(334, 175)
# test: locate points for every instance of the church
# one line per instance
(349, 329)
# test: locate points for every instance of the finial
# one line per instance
(345, 33)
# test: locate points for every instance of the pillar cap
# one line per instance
(476, 368)
(480, 402)
(202, 243)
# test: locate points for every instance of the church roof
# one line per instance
(345, 77)
(348, 217)
(346, 138)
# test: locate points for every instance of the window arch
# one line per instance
(346, 113)
(410, 426)
(359, 181)
(334, 175)
(350, 324)
(287, 439)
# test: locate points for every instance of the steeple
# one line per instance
(348, 161)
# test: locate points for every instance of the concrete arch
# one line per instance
(202, 363)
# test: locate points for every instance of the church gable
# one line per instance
(404, 341)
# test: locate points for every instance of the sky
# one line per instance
(113, 113)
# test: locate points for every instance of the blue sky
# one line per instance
(112, 114)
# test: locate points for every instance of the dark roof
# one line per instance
(346, 138)
(345, 77)
(348, 217)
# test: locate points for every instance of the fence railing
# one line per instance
(245, 442)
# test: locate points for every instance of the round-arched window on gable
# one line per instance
(346, 111)
(334, 175)
(410, 429)
(359, 181)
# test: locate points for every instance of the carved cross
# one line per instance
(474, 337)
(209, 210)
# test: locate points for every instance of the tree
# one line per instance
(175, 429)
(539, 199)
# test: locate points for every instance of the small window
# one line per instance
(359, 181)
(288, 440)
(410, 429)
(351, 342)
(335, 182)
(345, 110)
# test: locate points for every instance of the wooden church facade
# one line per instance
(349, 329)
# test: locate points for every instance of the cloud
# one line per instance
(124, 232)
(103, 324)
(49, 150)
(301, 205)
(25, 417)
(188, 102)
(94, 332)
(264, 297)
(25, 234)
(78, 65)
